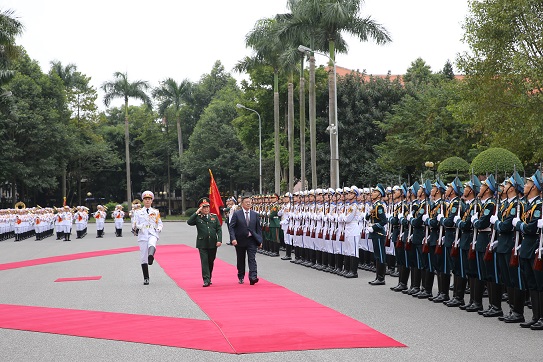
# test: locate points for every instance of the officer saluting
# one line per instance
(209, 238)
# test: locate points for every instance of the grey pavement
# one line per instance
(430, 331)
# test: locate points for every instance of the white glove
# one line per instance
(456, 218)
(440, 216)
(473, 218)
(409, 217)
(493, 219)
(369, 229)
(540, 223)
(424, 217)
(516, 220)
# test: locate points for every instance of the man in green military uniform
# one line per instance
(209, 238)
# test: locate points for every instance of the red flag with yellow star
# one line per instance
(215, 200)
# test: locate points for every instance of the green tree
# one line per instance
(232, 166)
(10, 28)
(120, 87)
(496, 160)
(502, 93)
(172, 96)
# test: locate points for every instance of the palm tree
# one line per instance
(268, 48)
(324, 21)
(172, 95)
(10, 27)
(120, 87)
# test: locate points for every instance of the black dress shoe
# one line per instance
(455, 302)
(146, 281)
(253, 281)
(514, 318)
(206, 284)
(538, 326)
(481, 312)
(475, 307)
(394, 288)
(377, 282)
(442, 298)
(465, 306)
(424, 295)
(240, 280)
(528, 324)
(494, 312)
(286, 258)
(400, 288)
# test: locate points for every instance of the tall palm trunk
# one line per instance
(127, 155)
(334, 156)
(180, 144)
(312, 121)
(290, 134)
(302, 124)
(276, 131)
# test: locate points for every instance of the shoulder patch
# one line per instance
(537, 214)
(487, 211)
(421, 210)
(513, 211)
(454, 210)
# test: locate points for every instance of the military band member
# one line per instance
(100, 217)
(149, 226)
(118, 216)
(67, 220)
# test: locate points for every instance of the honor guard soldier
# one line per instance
(414, 243)
(437, 256)
(274, 225)
(209, 238)
(398, 232)
(149, 226)
(450, 241)
(284, 214)
(530, 252)
(351, 231)
(376, 230)
(508, 245)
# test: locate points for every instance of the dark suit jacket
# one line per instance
(239, 230)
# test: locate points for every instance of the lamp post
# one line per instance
(259, 143)
(332, 123)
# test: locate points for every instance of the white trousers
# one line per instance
(144, 248)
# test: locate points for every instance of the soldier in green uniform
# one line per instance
(209, 238)
(274, 225)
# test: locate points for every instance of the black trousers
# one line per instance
(250, 252)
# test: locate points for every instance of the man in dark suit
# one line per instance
(246, 236)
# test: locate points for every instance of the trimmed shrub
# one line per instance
(496, 159)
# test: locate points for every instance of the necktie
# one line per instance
(147, 210)
(247, 217)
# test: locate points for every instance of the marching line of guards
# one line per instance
(488, 235)
(24, 223)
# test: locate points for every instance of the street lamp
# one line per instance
(333, 123)
(430, 166)
(259, 142)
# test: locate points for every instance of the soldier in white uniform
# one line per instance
(100, 217)
(352, 232)
(118, 216)
(67, 219)
(284, 213)
(149, 225)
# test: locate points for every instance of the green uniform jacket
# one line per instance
(209, 230)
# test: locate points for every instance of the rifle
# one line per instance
(399, 242)
(425, 246)
(472, 255)
(342, 233)
(490, 246)
(538, 262)
(455, 251)
(389, 224)
(514, 262)
(439, 245)
(409, 228)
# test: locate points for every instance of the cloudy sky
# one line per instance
(154, 40)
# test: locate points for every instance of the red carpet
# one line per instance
(77, 279)
(244, 319)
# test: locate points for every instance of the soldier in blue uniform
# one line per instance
(444, 262)
(376, 230)
(530, 225)
(424, 253)
(435, 256)
(414, 238)
(399, 235)
(481, 224)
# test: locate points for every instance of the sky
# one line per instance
(159, 39)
